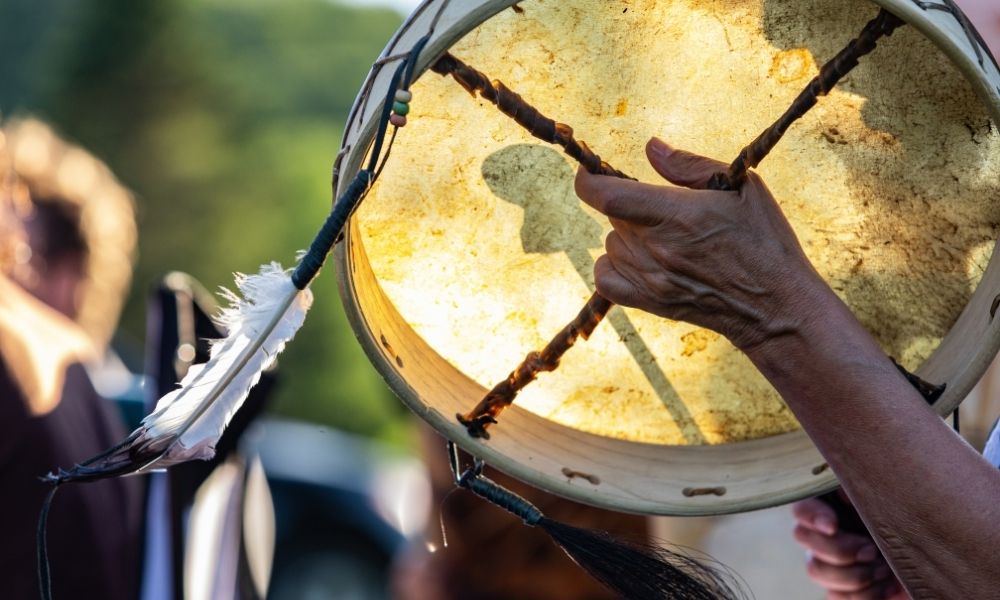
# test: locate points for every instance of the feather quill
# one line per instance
(259, 324)
(188, 422)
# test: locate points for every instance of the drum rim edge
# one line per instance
(958, 388)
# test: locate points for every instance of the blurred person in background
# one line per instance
(67, 237)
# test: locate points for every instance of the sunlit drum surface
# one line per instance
(476, 236)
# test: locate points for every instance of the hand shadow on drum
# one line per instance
(910, 184)
(539, 180)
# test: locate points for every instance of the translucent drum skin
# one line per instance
(472, 248)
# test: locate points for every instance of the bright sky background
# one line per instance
(403, 6)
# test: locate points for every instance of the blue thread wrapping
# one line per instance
(311, 263)
(502, 497)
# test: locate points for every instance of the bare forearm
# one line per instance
(729, 261)
(931, 501)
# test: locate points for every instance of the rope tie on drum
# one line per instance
(634, 570)
(485, 413)
(393, 113)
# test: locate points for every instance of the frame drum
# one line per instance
(472, 248)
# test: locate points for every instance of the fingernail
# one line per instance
(826, 524)
(658, 146)
(867, 553)
(881, 572)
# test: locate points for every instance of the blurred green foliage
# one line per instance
(224, 117)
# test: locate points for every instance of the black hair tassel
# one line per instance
(634, 571)
(41, 547)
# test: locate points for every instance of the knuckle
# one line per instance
(661, 281)
(804, 510)
(611, 242)
(815, 570)
(609, 287)
(804, 536)
(754, 179)
(601, 267)
(611, 202)
(592, 191)
(662, 255)
(602, 285)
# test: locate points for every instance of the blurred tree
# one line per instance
(224, 118)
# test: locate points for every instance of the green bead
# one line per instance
(400, 108)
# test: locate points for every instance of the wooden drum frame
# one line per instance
(623, 475)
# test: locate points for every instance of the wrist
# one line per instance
(819, 331)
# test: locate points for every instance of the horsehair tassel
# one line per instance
(504, 393)
(41, 546)
(633, 570)
(883, 25)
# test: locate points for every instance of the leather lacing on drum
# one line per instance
(485, 414)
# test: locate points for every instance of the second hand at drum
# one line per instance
(513, 105)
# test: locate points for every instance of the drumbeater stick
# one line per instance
(503, 394)
(526, 115)
(883, 25)
(548, 130)
(510, 103)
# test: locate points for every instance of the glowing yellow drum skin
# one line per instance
(475, 234)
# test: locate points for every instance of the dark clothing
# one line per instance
(94, 528)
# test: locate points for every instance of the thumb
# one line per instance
(680, 167)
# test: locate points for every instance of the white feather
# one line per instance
(192, 418)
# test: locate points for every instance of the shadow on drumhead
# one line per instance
(919, 163)
(540, 180)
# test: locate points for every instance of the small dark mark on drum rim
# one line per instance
(571, 474)
(704, 491)
(994, 307)
(820, 469)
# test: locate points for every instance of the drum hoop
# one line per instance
(696, 496)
